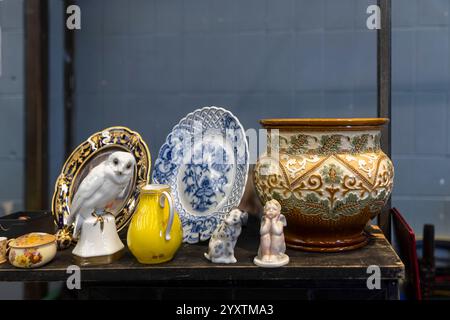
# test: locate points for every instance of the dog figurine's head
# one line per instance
(235, 217)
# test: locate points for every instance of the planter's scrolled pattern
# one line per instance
(330, 176)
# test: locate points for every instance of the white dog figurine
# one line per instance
(222, 242)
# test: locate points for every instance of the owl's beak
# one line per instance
(119, 173)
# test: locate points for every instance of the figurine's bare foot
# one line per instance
(266, 258)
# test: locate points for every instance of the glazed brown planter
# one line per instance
(330, 176)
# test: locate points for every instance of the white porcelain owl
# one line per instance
(105, 183)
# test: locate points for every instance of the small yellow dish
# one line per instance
(32, 250)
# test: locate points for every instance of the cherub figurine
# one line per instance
(272, 246)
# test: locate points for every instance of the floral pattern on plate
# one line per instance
(206, 183)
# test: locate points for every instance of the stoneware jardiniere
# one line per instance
(329, 175)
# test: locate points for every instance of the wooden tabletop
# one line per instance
(189, 264)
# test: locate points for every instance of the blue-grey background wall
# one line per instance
(421, 112)
(11, 105)
(145, 64)
(11, 117)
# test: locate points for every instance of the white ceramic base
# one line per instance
(95, 242)
(100, 260)
(275, 263)
(226, 260)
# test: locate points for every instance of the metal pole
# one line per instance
(384, 95)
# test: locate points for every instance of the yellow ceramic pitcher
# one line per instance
(155, 231)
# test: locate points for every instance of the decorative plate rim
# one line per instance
(211, 218)
(63, 184)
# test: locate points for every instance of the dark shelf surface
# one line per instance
(190, 265)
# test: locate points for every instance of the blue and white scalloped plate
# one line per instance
(205, 162)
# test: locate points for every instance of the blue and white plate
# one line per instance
(205, 162)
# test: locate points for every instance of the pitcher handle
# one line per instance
(167, 195)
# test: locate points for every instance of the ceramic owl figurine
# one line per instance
(103, 184)
(272, 247)
(95, 227)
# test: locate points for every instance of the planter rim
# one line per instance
(323, 122)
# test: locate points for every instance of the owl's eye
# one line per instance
(116, 161)
(129, 165)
